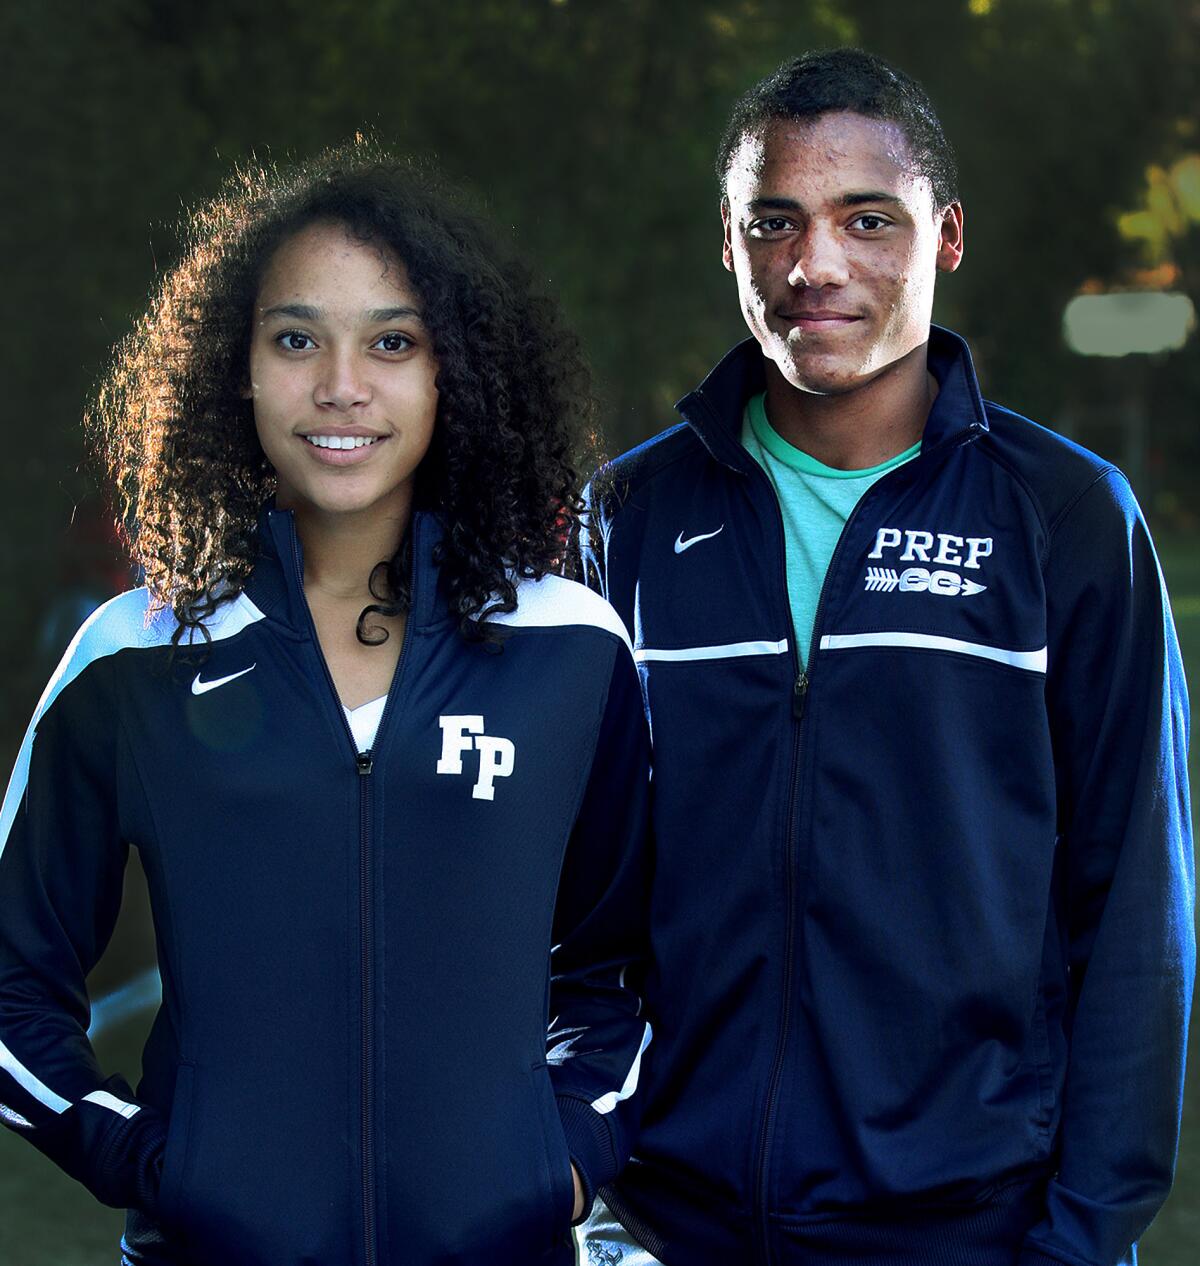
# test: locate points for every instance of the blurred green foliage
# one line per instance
(589, 127)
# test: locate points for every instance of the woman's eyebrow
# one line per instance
(299, 311)
(392, 314)
(306, 312)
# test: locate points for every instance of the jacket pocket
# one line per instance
(559, 1183)
(171, 1185)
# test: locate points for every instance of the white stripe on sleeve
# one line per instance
(27, 1081)
(112, 1103)
(606, 1103)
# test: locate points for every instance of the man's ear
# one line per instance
(727, 246)
(950, 247)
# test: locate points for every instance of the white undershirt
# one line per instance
(364, 722)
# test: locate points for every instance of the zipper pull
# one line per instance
(364, 763)
(799, 695)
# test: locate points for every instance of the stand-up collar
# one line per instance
(276, 585)
(959, 405)
(714, 410)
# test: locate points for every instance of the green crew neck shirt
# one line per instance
(815, 501)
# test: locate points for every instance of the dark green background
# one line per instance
(589, 128)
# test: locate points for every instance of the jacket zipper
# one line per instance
(799, 698)
(364, 765)
(800, 689)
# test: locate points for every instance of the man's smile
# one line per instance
(819, 319)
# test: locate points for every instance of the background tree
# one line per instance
(589, 126)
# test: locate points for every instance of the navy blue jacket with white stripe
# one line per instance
(351, 1062)
(922, 917)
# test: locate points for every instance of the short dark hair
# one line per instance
(847, 79)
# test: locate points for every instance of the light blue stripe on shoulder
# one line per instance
(554, 600)
(122, 623)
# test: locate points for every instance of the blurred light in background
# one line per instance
(140, 994)
(1125, 322)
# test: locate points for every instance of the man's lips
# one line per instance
(819, 319)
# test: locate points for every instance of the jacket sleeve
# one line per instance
(61, 867)
(1119, 724)
(598, 1035)
(605, 505)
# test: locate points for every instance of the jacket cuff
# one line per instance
(116, 1156)
(589, 1143)
(129, 1166)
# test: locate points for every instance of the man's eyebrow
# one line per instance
(774, 204)
(306, 312)
(854, 199)
(868, 195)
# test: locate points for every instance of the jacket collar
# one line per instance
(276, 584)
(714, 410)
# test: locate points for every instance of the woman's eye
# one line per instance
(393, 342)
(294, 341)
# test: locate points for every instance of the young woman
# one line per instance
(356, 727)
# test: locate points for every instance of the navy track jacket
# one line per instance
(351, 1063)
(922, 917)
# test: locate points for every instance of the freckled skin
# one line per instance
(839, 295)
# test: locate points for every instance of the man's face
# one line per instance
(835, 243)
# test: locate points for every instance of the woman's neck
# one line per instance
(342, 549)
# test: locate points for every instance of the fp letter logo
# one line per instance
(497, 756)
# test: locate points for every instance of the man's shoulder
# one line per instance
(627, 478)
(1055, 470)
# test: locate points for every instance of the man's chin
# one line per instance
(817, 379)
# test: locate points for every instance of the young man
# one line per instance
(923, 936)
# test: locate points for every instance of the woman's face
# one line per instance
(341, 374)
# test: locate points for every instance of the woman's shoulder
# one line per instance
(128, 620)
(135, 620)
(554, 601)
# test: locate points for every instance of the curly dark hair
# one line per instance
(515, 417)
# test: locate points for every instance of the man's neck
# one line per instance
(859, 429)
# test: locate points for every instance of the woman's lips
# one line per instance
(342, 456)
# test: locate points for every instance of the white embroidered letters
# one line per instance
(465, 733)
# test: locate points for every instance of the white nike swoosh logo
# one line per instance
(681, 544)
(201, 687)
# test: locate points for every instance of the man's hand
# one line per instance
(577, 1211)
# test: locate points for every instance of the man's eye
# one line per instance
(871, 223)
(773, 224)
(393, 341)
(294, 341)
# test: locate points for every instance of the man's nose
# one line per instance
(820, 259)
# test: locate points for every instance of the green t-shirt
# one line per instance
(815, 501)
